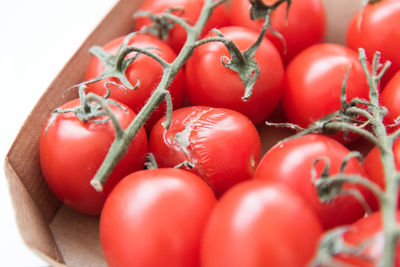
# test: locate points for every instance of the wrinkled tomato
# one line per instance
(222, 144)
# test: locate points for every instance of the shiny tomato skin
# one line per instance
(223, 145)
(71, 152)
(155, 218)
(373, 165)
(391, 99)
(306, 24)
(209, 83)
(192, 8)
(257, 224)
(145, 69)
(291, 163)
(314, 80)
(367, 229)
(375, 28)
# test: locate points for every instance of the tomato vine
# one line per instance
(374, 115)
(347, 119)
(117, 64)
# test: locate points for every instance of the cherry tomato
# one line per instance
(223, 145)
(71, 151)
(258, 224)
(367, 231)
(209, 83)
(390, 100)
(155, 218)
(191, 12)
(305, 25)
(144, 69)
(375, 28)
(373, 165)
(314, 80)
(291, 163)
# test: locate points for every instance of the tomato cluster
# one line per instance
(224, 203)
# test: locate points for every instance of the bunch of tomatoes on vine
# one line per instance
(164, 140)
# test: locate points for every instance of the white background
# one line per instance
(36, 39)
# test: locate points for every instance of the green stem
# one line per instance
(168, 117)
(375, 114)
(120, 145)
(395, 135)
(144, 51)
(151, 162)
(360, 111)
(338, 125)
(177, 20)
(389, 201)
(227, 42)
(355, 179)
(93, 97)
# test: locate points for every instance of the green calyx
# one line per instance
(243, 62)
(259, 10)
(161, 23)
(371, 2)
(116, 65)
(91, 108)
(329, 186)
(333, 243)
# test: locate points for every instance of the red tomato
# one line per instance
(192, 8)
(373, 165)
(145, 69)
(368, 230)
(155, 218)
(71, 151)
(314, 80)
(206, 137)
(306, 24)
(376, 28)
(257, 224)
(391, 100)
(209, 83)
(291, 163)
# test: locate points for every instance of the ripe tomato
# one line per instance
(291, 163)
(375, 28)
(259, 224)
(306, 24)
(390, 100)
(314, 80)
(367, 231)
(205, 137)
(145, 69)
(373, 165)
(155, 218)
(71, 151)
(191, 11)
(209, 83)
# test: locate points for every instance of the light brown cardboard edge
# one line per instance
(32, 226)
(36, 233)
